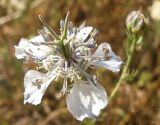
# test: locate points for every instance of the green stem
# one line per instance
(125, 70)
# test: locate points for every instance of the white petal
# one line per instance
(39, 51)
(33, 94)
(112, 64)
(37, 40)
(83, 33)
(25, 45)
(86, 100)
(99, 58)
(19, 50)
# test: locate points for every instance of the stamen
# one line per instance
(89, 77)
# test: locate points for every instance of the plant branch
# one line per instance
(125, 69)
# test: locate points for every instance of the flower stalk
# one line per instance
(135, 23)
(125, 70)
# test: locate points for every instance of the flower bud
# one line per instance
(136, 21)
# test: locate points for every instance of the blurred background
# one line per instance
(137, 101)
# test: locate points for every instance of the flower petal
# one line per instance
(113, 64)
(83, 33)
(19, 50)
(37, 40)
(86, 100)
(25, 48)
(35, 84)
(105, 57)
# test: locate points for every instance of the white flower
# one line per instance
(68, 56)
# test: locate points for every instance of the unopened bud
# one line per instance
(136, 21)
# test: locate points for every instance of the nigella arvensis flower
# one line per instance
(69, 56)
